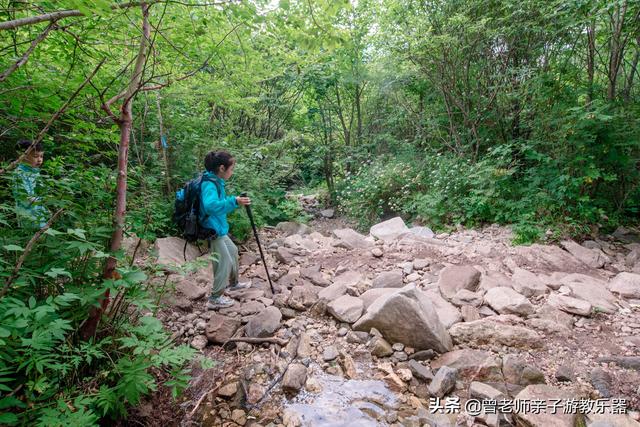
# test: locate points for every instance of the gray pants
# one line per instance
(225, 265)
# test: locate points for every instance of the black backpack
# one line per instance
(186, 211)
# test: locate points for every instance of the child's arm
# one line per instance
(212, 204)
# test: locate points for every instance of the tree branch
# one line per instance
(20, 62)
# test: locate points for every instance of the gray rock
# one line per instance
(492, 331)
(389, 279)
(507, 301)
(199, 342)
(303, 297)
(592, 290)
(423, 355)
(420, 371)
(546, 393)
(569, 304)
(284, 255)
(389, 230)
(476, 365)
(422, 232)
(443, 382)
(330, 353)
(379, 347)
(454, 278)
(516, 370)
(629, 362)
(346, 309)
(469, 313)
(170, 251)
(369, 296)
(289, 228)
(187, 287)
(447, 312)
(350, 239)
(264, 324)
(527, 283)
(332, 292)
(327, 213)
(220, 328)
(626, 285)
(465, 297)
(406, 316)
(295, 378)
(357, 337)
(494, 279)
(565, 373)
(482, 391)
(594, 258)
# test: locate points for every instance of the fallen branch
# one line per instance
(53, 118)
(27, 250)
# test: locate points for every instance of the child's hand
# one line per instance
(244, 201)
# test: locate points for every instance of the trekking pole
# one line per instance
(255, 233)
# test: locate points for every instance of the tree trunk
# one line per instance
(124, 123)
(591, 59)
(616, 49)
(163, 148)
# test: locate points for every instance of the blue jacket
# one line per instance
(214, 207)
(29, 208)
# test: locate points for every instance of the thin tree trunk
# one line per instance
(124, 123)
(163, 148)
(626, 94)
(591, 59)
(616, 51)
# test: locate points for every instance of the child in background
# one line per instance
(29, 209)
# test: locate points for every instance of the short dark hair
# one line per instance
(214, 159)
(24, 144)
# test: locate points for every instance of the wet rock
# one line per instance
(220, 328)
(265, 323)
(475, 365)
(565, 373)
(454, 278)
(544, 393)
(569, 304)
(379, 347)
(507, 301)
(346, 309)
(528, 284)
(303, 297)
(516, 370)
(443, 382)
(389, 279)
(389, 230)
(295, 378)
(350, 239)
(330, 353)
(469, 313)
(626, 285)
(406, 316)
(199, 342)
(490, 331)
(420, 371)
(465, 297)
(592, 257)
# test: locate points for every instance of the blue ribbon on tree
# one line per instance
(163, 140)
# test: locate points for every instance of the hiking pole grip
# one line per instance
(255, 233)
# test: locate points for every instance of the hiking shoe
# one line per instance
(220, 302)
(238, 286)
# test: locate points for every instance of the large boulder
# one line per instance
(626, 284)
(389, 230)
(368, 297)
(264, 324)
(389, 279)
(407, 316)
(507, 301)
(172, 251)
(220, 328)
(527, 283)
(350, 239)
(545, 393)
(346, 309)
(594, 258)
(495, 330)
(447, 312)
(591, 290)
(454, 278)
(474, 365)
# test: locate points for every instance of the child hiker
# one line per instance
(29, 209)
(215, 206)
